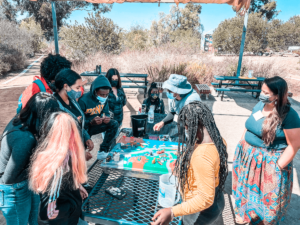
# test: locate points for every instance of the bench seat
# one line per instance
(233, 84)
(219, 90)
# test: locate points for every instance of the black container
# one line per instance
(139, 125)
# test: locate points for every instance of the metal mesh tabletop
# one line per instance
(137, 207)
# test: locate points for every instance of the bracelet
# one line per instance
(172, 215)
(278, 165)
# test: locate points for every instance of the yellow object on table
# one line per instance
(243, 77)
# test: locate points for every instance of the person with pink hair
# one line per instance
(58, 170)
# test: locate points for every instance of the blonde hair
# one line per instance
(61, 142)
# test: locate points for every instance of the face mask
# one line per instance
(265, 99)
(101, 99)
(74, 94)
(170, 95)
(154, 96)
(114, 83)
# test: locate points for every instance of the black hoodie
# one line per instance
(89, 103)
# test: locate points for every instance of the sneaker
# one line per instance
(101, 155)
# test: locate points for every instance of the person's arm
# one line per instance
(169, 118)
(31, 90)
(293, 141)
(162, 107)
(87, 116)
(125, 98)
(86, 135)
(204, 172)
(21, 150)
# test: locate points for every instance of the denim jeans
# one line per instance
(18, 204)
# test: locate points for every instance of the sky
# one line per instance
(128, 14)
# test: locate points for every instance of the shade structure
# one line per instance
(237, 3)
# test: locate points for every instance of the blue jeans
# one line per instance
(18, 204)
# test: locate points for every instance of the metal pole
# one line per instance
(242, 45)
(55, 28)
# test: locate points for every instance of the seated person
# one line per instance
(96, 110)
(153, 99)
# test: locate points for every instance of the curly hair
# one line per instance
(194, 115)
(52, 64)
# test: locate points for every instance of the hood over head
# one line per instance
(100, 82)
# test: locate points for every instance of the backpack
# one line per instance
(42, 89)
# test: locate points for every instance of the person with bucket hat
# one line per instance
(180, 93)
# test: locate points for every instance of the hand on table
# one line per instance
(162, 217)
(51, 212)
(158, 126)
(88, 156)
(83, 192)
(90, 144)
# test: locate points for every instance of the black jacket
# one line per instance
(89, 103)
(116, 105)
(159, 105)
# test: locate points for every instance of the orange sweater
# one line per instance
(203, 178)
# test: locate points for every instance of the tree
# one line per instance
(228, 34)
(36, 31)
(42, 12)
(98, 34)
(136, 38)
(8, 10)
(177, 22)
(265, 8)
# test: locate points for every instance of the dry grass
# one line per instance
(159, 63)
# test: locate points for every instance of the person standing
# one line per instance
(201, 169)
(18, 203)
(180, 93)
(58, 170)
(116, 98)
(68, 84)
(153, 99)
(263, 161)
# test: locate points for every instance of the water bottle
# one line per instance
(151, 114)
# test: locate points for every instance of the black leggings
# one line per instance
(209, 215)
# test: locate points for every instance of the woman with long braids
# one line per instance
(58, 169)
(201, 168)
(262, 177)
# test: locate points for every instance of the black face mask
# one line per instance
(114, 83)
(154, 96)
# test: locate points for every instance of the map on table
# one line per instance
(150, 157)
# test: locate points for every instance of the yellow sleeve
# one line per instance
(203, 165)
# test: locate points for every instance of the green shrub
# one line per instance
(15, 45)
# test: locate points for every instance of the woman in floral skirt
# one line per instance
(263, 161)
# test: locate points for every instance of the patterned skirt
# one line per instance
(262, 191)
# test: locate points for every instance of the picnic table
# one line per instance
(225, 81)
(142, 189)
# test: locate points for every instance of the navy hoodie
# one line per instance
(89, 103)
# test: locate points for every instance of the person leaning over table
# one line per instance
(153, 99)
(180, 93)
(201, 169)
(68, 84)
(262, 171)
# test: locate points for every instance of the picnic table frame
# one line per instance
(233, 82)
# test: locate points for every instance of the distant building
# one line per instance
(294, 48)
(208, 43)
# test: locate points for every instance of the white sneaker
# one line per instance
(101, 155)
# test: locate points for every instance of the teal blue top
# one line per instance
(254, 129)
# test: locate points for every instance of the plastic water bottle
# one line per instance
(151, 114)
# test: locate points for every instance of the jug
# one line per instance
(167, 191)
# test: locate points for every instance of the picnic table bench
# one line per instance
(203, 89)
(129, 80)
(234, 86)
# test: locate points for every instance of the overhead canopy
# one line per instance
(237, 3)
